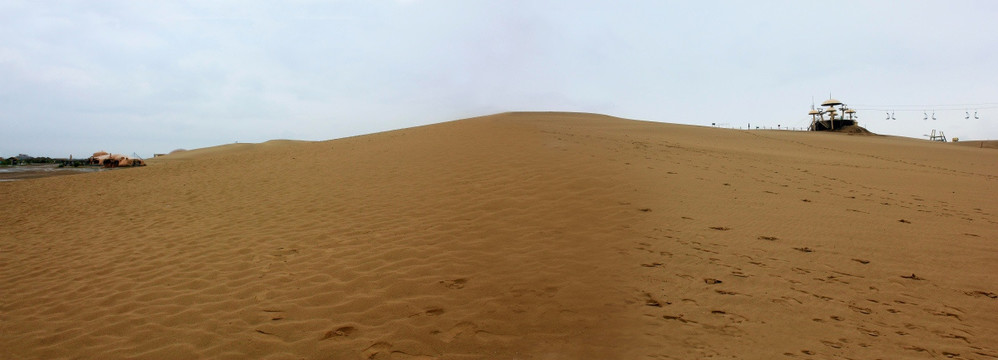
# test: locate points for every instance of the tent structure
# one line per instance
(106, 159)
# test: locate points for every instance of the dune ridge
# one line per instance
(512, 236)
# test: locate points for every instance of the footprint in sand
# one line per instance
(861, 310)
(869, 332)
(832, 344)
(650, 301)
(956, 337)
(454, 284)
(344, 331)
(678, 318)
(435, 312)
(944, 313)
(464, 327)
(430, 312)
(800, 270)
(378, 350)
(979, 293)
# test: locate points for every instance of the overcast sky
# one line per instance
(153, 76)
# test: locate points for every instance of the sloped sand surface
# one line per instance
(992, 144)
(513, 236)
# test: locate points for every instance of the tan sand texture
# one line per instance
(513, 236)
(993, 144)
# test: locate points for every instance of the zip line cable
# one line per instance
(937, 107)
(932, 105)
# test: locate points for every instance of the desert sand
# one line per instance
(513, 236)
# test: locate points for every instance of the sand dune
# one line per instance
(992, 144)
(513, 236)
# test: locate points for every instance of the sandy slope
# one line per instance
(993, 144)
(514, 236)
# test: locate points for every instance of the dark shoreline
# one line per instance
(23, 172)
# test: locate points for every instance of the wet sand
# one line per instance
(21, 172)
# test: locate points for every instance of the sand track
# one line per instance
(514, 236)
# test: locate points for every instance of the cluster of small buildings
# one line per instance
(105, 159)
